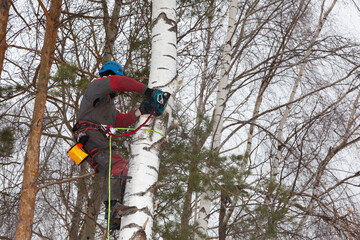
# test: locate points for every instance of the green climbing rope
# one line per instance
(142, 129)
(109, 197)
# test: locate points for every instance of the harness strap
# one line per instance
(85, 125)
(95, 152)
(81, 126)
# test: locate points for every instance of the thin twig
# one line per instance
(65, 180)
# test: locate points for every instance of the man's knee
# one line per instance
(119, 165)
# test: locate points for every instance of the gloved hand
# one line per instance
(149, 93)
(146, 107)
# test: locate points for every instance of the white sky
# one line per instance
(347, 16)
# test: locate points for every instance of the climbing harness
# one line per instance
(79, 154)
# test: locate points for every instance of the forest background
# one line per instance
(265, 139)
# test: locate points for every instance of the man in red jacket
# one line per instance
(97, 108)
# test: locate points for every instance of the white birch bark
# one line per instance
(205, 202)
(322, 19)
(144, 163)
(320, 170)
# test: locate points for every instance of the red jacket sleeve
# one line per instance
(125, 84)
(124, 120)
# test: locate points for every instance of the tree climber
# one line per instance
(97, 108)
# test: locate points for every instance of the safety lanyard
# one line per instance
(137, 129)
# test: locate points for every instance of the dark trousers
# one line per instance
(118, 171)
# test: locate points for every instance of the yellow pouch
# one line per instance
(77, 153)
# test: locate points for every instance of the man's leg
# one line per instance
(117, 180)
(117, 186)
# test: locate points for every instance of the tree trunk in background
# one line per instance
(205, 202)
(144, 164)
(111, 29)
(265, 82)
(80, 201)
(31, 167)
(274, 171)
(95, 200)
(92, 208)
(275, 165)
(198, 141)
(222, 214)
(4, 15)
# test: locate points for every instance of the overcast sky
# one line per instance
(348, 16)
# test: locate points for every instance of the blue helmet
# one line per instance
(111, 66)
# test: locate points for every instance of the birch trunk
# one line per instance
(278, 57)
(144, 163)
(322, 19)
(205, 203)
(267, 79)
(31, 167)
(4, 15)
(310, 206)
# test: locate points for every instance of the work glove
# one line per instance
(146, 107)
(149, 93)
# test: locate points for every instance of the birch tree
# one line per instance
(322, 19)
(144, 163)
(275, 61)
(29, 187)
(205, 202)
(271, 65)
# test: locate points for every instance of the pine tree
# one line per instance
(7, 141)
(29, 189)
(4, 15)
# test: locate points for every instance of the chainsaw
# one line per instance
(159, 102)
